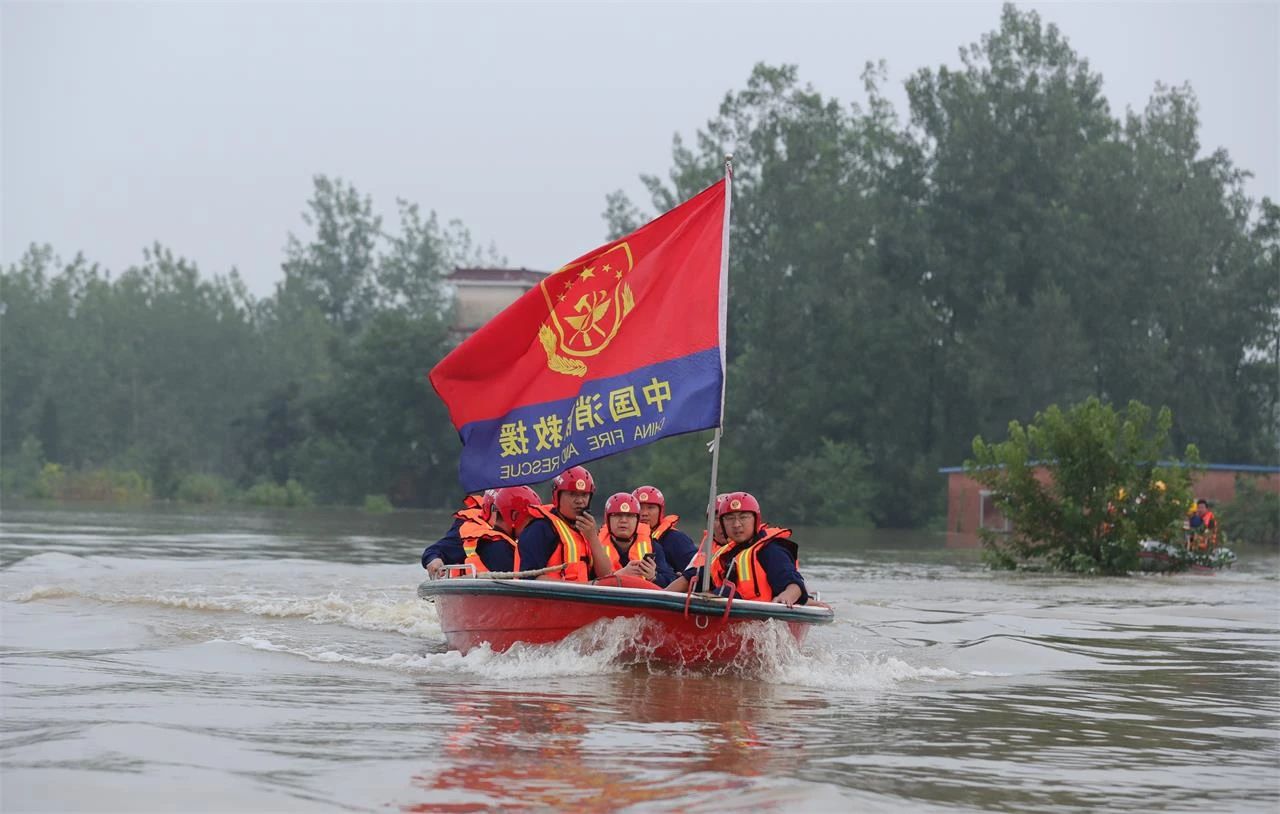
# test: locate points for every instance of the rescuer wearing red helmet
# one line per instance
(717, 530)
(717, 537)
(564, 532)
(626, 540)
(448, 549)
(760, 561)
(487, 544)
(511, 508)
(679, 549)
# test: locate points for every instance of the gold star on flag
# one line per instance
(587, 273)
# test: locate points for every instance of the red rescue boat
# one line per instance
(677, 628)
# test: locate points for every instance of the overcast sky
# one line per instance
(201, 124)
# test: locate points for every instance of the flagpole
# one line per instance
(707, 547)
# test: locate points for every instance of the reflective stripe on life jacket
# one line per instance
(699, 558)
(472, 532)
(664, 525)
(642, 545)
(573, 549)
(741, 565)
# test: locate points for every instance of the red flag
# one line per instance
(617, 349)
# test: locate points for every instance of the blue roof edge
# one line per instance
(951, 470)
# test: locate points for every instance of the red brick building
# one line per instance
(970, 507)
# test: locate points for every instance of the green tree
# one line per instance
(1105, 490)
(335, 271)
(360, 318)
(140, 372)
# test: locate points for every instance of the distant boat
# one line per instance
(1161, 557)
(683, 629)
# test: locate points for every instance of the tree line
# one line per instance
(167, 373)
(898, 285)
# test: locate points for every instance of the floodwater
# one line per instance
(182, 659)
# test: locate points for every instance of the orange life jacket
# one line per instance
(643, 544)
(667, 523)
(1208, 531)
(472, 509)
(742, 563)
(472, 532)
(699, 558)
(573, 549)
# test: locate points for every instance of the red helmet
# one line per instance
(514, 502)
(652, 494)
(622, 503)
(720, 502)
(737, 502)
(486, 502)
(573, 479)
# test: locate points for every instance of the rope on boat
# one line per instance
(550, 569)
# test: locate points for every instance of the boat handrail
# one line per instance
(728, 606)
(535, 572)
(468, 569)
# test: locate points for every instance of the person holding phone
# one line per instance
(564, 532)
(627, 542)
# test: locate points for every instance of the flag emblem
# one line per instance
(587, 302)
(622, 346)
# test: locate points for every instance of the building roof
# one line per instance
(492, 275)
(953, 470)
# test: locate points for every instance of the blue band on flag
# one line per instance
(535, 442)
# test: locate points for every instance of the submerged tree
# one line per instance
(1082, 488)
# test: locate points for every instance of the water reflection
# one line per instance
(631, 739)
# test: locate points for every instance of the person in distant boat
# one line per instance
(626, 540)
(662, 528)
(1207, 532)
(448, 549)
(564, 532)
(487, 545)
(761, 562)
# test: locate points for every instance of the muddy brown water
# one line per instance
(168, 659)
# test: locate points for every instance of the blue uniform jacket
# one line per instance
(537, 543)
(495, 554)
(448, 549)
(678, 548)
(777, 566)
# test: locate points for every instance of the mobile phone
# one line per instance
(649, 556)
